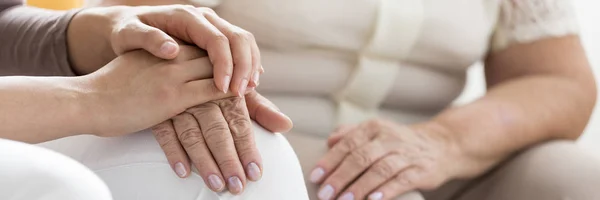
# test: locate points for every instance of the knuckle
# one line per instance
(361, 158)
(241, 127)
(348, 144)
(201, 109)
(241, 35)
(216, 128)
(190, 136)
(220, 38)
(183, 9)
(207, 10)
(229, 164)
(162, 130)
(384, 169)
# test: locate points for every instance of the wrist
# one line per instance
(88, 40)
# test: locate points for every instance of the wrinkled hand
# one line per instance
(125, 93)
(218, 138)
(381, 160)
(100, 33)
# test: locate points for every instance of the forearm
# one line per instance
(34, 42)
(518, 113)
(38, 109)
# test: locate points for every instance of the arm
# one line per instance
(36, 109)
(33, 40)
(537, 92)
(115, 100)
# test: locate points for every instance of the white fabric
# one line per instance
(397, 27)
(134, 167)
(28, 172)
(315, 49)
(526, 21)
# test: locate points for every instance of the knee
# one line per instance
(269, 142)
(557, 169)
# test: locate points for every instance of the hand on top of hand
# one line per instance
(137, 90)
(232, 50)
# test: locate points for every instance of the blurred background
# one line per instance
(588, 12)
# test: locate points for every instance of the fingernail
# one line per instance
(255, 78)
(316, 174)
(347, 196)
(242, 90)
(215, 182)
(180, 170)
(235, 185)
(376, 196)
(168, 48)
(325, 193)
(254, 172)
(262, 70)
(226, 82)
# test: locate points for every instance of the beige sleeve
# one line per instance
(33, 41)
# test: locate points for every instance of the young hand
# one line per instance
(137, 90)
(97, 35)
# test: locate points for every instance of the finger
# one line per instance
(192, 140)
(338, 133)
(400, 184)
(220, 142)
(209, 37)
(137, 35)
(201, 91)
(328, 163)
(196, 69)
(351, 167)
(240, 42)
(195, 28)
(167, 139)
(267, 114)
(236, 114)
(187, 52)
(375, 176)
(256, 64)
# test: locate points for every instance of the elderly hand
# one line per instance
(95, 35)
(218, 138)
(381, 160)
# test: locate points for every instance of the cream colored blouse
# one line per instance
(345, 61)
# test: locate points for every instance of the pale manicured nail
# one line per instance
(347, 196)
(180, 170)
(376, 196)
(226, 82)
(215, 182)
(255, 78)
(235, 185)
(254, 172)
(243, 86)
(316, 174)
(168, 48)
(326, 193)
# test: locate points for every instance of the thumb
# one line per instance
(137, 35)
(266, 113)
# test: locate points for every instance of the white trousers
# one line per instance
(134, 167)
